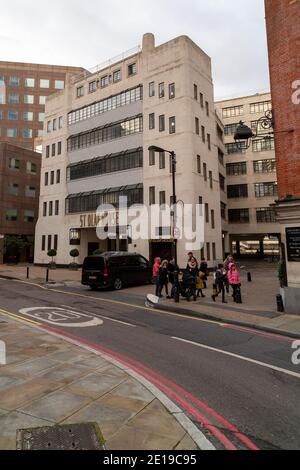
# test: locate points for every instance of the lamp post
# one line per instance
(156, 149)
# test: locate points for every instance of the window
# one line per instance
(208, 251)
(196, 92)
(2, 97)
(200, 202)
(230, 129)
(55, 242)
(11, 215)
(172, 125)
(13, 98)
(207, 213)
(92, 86)
(50, 208)
(132, 69)
(12, 132)
(240, 216)
(162, 124)
(237, 191)
(171, 91)
(28, 99)
(80, 91)
(201, 100)
(52, 177)
(41, 117)
(152, 195)
(44, 83)
(43, 242)
(104, 81)
(162, 160)
(58, 177)
(46, 178)
(151, 89)
(151, 121)
(29, 82)
(49, 242)
(27, 133)
(235, 148)
(42, 100)
(265, 189)
(53, 150)
(221, 157)
(28, 216)
(12, 115)
(56, 207)
(257, 126)
(49, 126)
(162, 198)
(1, 114)
(265, 215)
(151, 158)
(205, 171)
(235, 169)
(59, 84)
(197, 126)
(214, 251)
(261, 107)
(117, 76)
(60, 122)
(14, 81)
(203, 133)
(208, 141)
(161, 90)
(233, 111)
(198, 164)
(223, 210)
(48, 151)
(211, 179)
(222, 182)
(54, 124)
(13, 189)
(59, 148)
(28, 116)
(207, 108)
(264, 166)
(31, 168)
(212, 217)
(45, 209)
(30, 191)
(263, 145)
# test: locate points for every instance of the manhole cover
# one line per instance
(83, 436)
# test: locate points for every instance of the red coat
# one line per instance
(156, 267)
(233, 277)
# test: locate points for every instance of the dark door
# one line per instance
(92, 247)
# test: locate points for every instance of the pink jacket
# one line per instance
(156, 267)
(233, 277)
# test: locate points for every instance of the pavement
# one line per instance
(259, 309)
(49, 381)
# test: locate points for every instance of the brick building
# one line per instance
(19, 195)
(283, 30)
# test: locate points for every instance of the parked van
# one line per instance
(115, 270)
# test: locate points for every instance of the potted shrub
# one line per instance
(74, 254)
(52, 254)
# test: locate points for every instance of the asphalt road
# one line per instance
(238, 385)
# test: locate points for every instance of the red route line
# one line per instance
(260, 333)
(190, 409)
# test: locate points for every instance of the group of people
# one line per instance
(225, 275)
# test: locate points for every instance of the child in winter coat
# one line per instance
(235, 281)
(199, 285)
(155, 274)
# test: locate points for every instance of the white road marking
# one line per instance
(106, 318)
(243, 358)
(61, 317)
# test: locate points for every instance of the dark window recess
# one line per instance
(162, 160)
(222, 182)
(265, 215)
(55, 242)
(162, 125)
(151, 121)
(172, 91)
(151, 158)
(59, 148)
(237, 191)
(238, 216)
(172, 125)
(43, 242)
(234, 169)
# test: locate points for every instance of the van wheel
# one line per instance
(93, 288)
(117, 284)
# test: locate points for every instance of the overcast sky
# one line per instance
(86, 33)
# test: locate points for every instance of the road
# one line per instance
(238, 385)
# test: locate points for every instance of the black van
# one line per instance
(115, 270)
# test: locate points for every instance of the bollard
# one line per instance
(280, 307)
(27, 275)
(249, 277)
(47, 275)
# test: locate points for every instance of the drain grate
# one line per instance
(82, 436)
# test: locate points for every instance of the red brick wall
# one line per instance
(283, 30)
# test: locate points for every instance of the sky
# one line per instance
(87, 33)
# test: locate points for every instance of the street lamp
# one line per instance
(154, 148)
(244, 134)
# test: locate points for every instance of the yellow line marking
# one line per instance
(126, 304)
(10, 314)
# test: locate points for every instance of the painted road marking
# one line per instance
(243, 358)
(106, 318)
(61, 317)
(18, 317)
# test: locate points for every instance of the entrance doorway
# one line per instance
(163, 250)
(92, 247)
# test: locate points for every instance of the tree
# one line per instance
(74, 254)
(52, 254)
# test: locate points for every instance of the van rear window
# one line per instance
(94, 262)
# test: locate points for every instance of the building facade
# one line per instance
(251, 179)
(283, 20)
(160, 96)
(19, 190)
(23, 92)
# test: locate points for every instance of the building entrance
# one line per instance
(163, 250)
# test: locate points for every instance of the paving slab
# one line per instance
(95, 385)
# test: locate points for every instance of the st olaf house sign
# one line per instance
(293, 244)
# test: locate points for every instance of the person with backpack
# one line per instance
(220, 283)
(235, 282)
